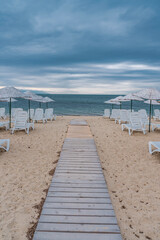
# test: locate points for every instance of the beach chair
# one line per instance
(144, 119)
(39, 116)
(142, 112)
(115, 115)
(49, 114)
(156, 146)
(106, 113)
(124, 116)
(21, 122)
(15, 111)
(134, 124)
(156, 114)
(4, 144)
(2, 113)
(4, 124)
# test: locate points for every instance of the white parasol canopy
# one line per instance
(148, 93)
(32, 96)
(119, 99)
(131, 96)
(10, 92)
(154, 102)
(8, 100)
(110, 102)
(47, 99)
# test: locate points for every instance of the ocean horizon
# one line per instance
(78, 104)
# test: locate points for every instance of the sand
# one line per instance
(132, 175)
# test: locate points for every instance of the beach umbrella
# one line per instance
(10, 92)
(130, 97)
(30, 96)
(47, 99)
(119, 99)
(109, 102)
(150, 94)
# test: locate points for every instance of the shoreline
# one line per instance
(132, 176)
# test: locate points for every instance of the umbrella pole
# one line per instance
(131, 105)
(150, 109)
(29, 106)
(120, 105)
(10, 113)
(39, 105)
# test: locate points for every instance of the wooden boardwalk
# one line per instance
(78, 206)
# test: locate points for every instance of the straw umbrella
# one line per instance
(30, 96)
(150, 94)
(47, 99)
(131, 97)
(10, 92)
(109, 102)
(119, 99)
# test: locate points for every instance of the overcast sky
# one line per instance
(80, 46)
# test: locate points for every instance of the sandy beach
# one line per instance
(132, 175)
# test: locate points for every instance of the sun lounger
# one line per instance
(21, 122)
(39, 116)
(4, 144)
(134, 125)
(5, 124)
(156, 114)
(124, 116)
(49, 114)
(106, 113)
(156, 145)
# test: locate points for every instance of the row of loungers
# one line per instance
(134, 121)
(21, 121)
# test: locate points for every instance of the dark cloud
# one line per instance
(71, 44)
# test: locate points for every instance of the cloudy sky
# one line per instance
(80, 46)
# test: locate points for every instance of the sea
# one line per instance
(70, 104)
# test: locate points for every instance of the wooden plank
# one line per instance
(73, 194)
(78, 212)
(79, 185)
(78, 205)
(54, 199)
(61, 227)
(80, 190)
(74, 236)
(77, 219)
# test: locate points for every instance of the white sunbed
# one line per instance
(115, 115)
(5, 124)
(156, 146)
(49, 114)
(156, 114)
(106, 113)
(39, 116)
(134, 124)
(124, 116)
(4, 144)
(21, 122)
